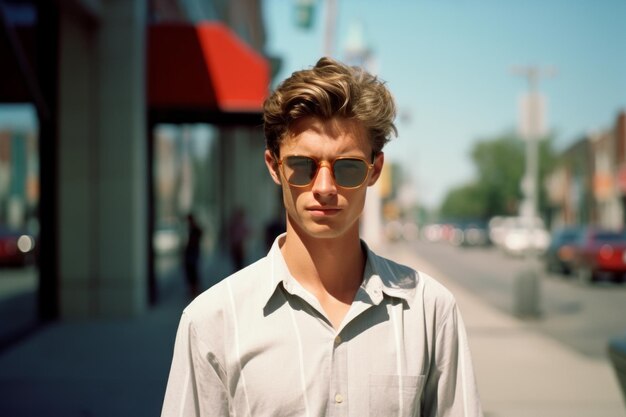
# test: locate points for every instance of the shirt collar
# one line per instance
(279, 273)
(381, 276)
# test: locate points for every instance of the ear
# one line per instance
(379, 161)
(272, 166)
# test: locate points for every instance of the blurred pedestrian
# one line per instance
(322, 325)
(273, 229)
(192, 255)
(237, 234)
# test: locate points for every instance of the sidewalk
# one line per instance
(119, 368)
(522, 373)
(91, 368)
(98, 368)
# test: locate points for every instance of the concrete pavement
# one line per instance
(91, 368)
(119, 368)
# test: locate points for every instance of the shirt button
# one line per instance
(337, 340)
(338, 398)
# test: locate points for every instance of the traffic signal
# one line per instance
(304, 11)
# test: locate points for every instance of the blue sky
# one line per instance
(448, 64)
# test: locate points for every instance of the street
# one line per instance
(582, 317)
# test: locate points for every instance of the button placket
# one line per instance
(339, 378)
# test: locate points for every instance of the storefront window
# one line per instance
(19, 224)
(185, 183)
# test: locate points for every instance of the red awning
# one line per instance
(204, 66)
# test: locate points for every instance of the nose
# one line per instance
(324, 183)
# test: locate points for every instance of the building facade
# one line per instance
(588, 185)
(85, 67)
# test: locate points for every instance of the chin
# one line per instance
(325, 231)
(327, 234)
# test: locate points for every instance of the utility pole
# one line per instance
(357, 52)
(532, 127)
(329, 27)
(527, 289)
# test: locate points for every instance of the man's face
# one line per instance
(324, 209)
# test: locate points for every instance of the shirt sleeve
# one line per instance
(451, 386)
(197, 381)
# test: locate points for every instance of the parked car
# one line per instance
(17, 247)
(600, 254)
(517, 235)
(560, 254)
(474, 234)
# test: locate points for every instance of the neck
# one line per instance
(325, 266)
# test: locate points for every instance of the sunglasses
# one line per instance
(348, 172)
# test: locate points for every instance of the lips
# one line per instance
(323, 210)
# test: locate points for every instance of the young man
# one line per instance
(322, 326)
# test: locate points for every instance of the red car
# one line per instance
(17, 248)
(600, 254)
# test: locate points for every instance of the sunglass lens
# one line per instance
(300, 170)
(350, 172)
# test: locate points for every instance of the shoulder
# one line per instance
(215, 302)
(435, 290)
(420, 288)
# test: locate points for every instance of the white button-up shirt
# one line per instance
(259, 344)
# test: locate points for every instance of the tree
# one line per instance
(500, 167)
(496, 190)
(466, 202)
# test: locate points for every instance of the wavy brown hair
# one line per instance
(330, 89)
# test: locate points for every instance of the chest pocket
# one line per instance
(393, 395)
